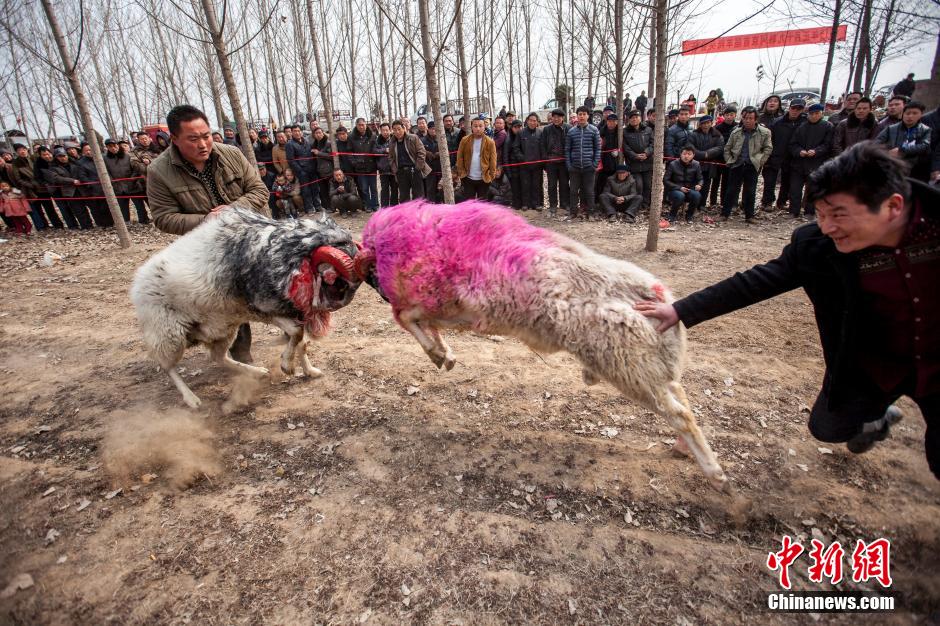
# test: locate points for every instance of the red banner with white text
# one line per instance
(773, 39)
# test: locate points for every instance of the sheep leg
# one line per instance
(191, 399)
(675, 407)
(440, 346)
(309, 370)
(295, 336)
(409, 320)
(218, 351)
(168, 353)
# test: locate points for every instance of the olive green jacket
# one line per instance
(179, 201)
(759, 148)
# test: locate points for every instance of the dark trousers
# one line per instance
(644, 186)
(474, 188)
(798, 177)
(677, 197)
(308, 192)
(843, 423)
(599, 180)
(531, 178)
(43, 206)
(240, 349)
(35, 213)
(771, 175)
(410, 184)
(389, 190)
(346, 203)
(515, 184)
(323, 187)
(369, 190)
(559, 195)
(630, 206)
(100, 213)
(719, 185)
(742, 176)
(430, 187)
(707, 175)
(582, 190)
(142, 216)
(75, 213)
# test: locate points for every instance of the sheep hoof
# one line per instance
(258, 372)
(437, 359)
(192, 400)
(288, 371)
(449, 363)
(311, 372)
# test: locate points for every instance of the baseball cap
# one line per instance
(798, 103)
(816, 107)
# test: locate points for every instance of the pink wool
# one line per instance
(446, 253)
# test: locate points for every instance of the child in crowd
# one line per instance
(287, 196)
(15, 207)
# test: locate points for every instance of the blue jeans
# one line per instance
(677, 197)
(368, 191)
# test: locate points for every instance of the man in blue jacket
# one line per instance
(582, 155)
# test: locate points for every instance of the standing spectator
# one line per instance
(910, 140)
(906, 87)
(725, 127)
(747, 150)
(810, 147)
(407, 160)
(73, 154)
(691, 102)
(847, 108)
(612, 99)
(499, 137)
(322, 151)
(640, 103)
(477, 165)
(894, 111)
(512, 154)
(454, 136)
(627, 103)
(23, 178)
(279, 152)
(711, 103)
(389, 196)
(343, 147)
(343, 194)
(264, 149)
(582, 155)
(709, 153)
(932, 121)
(141, 157)
(268, 177)
(651, 120)
(638, 150)
(91, 189)
(611, 138)
(229, 138)
(43, 193)
(361, 142)
(553, 147)
(770, 111)
(14, 207)
(433, 157)
(679, 134)
(162, 142)
(62, 176)
(299, 159)
(861, 126)
(121, 170)
(590, 102)
(683, 181)
(421, 127)
(531, 175)
(502, 113)
(778, 167)
(620, 194)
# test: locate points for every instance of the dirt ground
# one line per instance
(388, 492)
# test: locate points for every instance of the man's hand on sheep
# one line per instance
(665, 313)
(216, 211)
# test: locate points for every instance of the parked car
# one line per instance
(478, 105)
(545, 112)
(810, 96)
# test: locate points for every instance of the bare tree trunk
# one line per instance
(837, 13)
(650, 81)
(848, 81)
(864, 44)
(382, 46)
(71, 73)
(618, 62)
(882, 44)
(269, 61)
(324, 93)
(352, 60)
(218, 42)
(434, 95)
(656, 203)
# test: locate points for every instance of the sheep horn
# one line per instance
(363, 262)
(337, 259)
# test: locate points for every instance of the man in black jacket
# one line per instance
(778, 167)
(810, 147)
(553, 147)
(727, 124)
(683, 181)
(709, 150)
(638, 152)
(875, 292)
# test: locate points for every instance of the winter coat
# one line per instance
(279, 158)
(264, 153)
(323, 162)
(708, 146)
(415, 150)
(298, 157)
(768, 119)
(23, 177)
(780, 134)
(88, 173)
(531, 142)
(381, 147)
(500, 140)
(677, 137)
(14, 204)
(488, 160)
(619, 188)
(726, 129)
(610, 140)
(679, 174)
(345, 163)
(582, 147)
(363, 143)
(39, 179)
(348, 185)
(432, 153)
(852, 131)
(512, 153)
(759, 148)
(120, 166)
(635, 142)
(179, 201)
(500, 191)
(61, 177)
(831, 281)
(641, 104)
(553, 140)
(913, 144)
(139, 157)
(905, 88)
(454, 138)
(811, 136)
(887, 120)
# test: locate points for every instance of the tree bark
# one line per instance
(434, 95)
(656, 203)
(71, 73)
(382, 46)
(618, 62)
(352, 61)
(837, 13)
(324, 91)
(864, 45)
(650, 81)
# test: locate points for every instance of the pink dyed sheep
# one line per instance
(476, 266)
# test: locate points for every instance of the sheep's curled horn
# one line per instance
(338, 260)
(364, 262)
